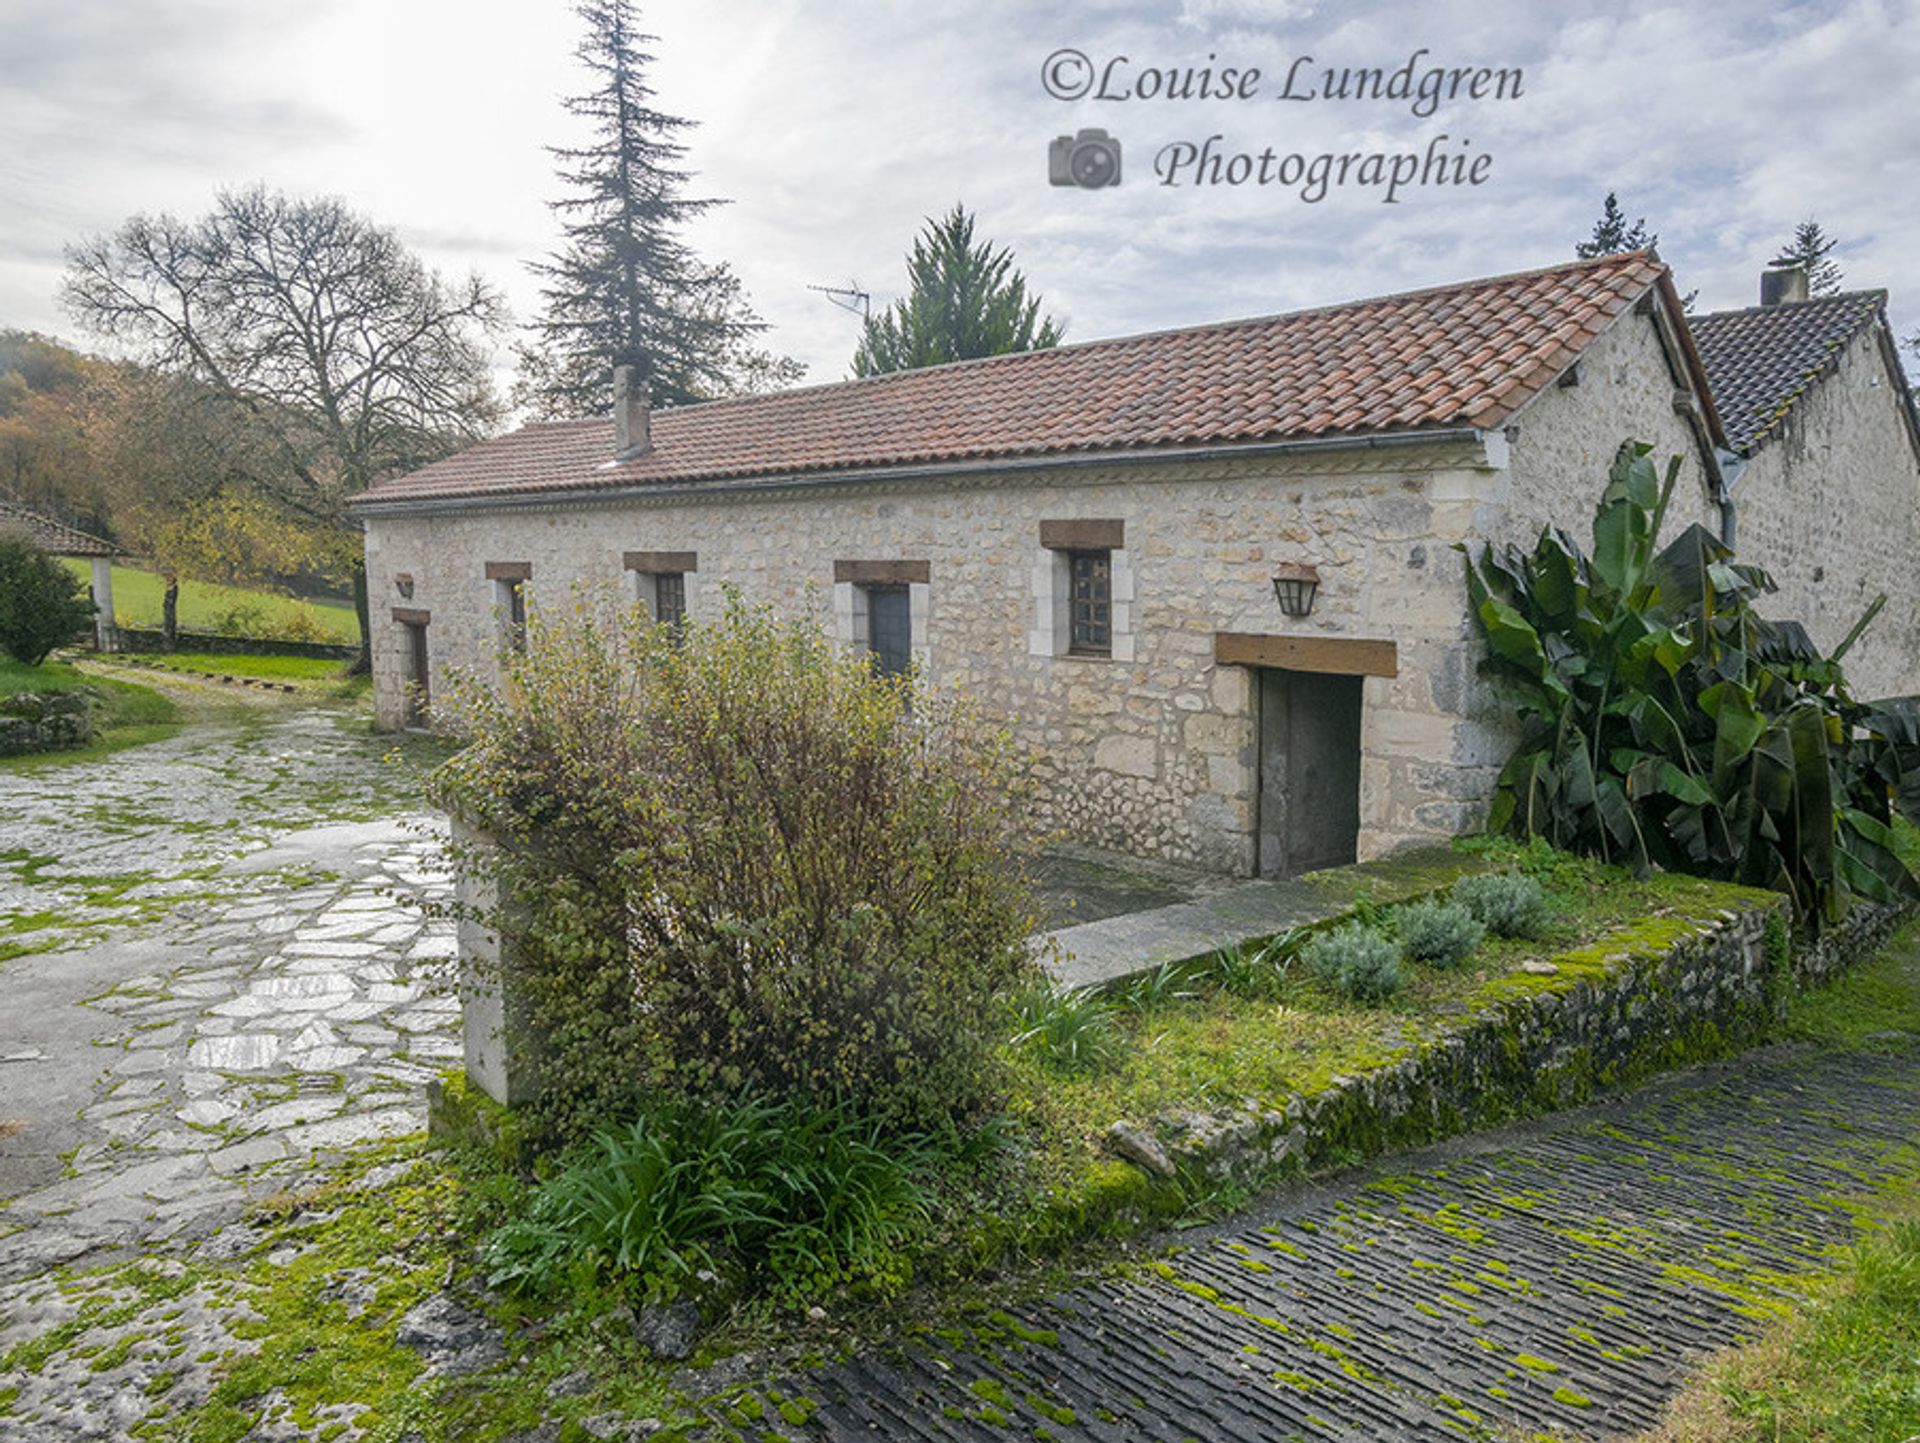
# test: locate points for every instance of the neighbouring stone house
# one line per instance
(56, 538)
(1086, 539)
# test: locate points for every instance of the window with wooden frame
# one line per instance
(509, 580)
(660, 582)
(1090, 602)
(670, 598)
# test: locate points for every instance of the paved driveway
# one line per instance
(228, 974)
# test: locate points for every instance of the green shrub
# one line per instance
(42, 604)
(733, 858)
(1441, 933)
(789, 1197)
(1666, 722)
(1357, 961)
(1069, 1029)
(1508, 904)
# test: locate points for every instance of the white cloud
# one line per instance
(835, 128)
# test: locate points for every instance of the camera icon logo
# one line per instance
(1089, 160)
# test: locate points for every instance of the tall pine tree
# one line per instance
(625, 288)
(964, 301)
(1810, 249)
(1612, 235)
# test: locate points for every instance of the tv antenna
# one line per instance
(848, 297)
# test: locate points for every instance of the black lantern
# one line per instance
(1294, 585)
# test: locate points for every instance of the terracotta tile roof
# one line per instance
(1762, 360)
(53, 537)
(1469, 354)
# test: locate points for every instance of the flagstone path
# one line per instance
(231, 976)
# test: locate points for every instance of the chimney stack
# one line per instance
(631, 435)
(1783, 285)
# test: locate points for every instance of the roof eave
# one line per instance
(368, 506)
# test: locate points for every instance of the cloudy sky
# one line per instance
(835, 126)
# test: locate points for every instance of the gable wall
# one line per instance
(1831, 509)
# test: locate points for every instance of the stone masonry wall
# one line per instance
(1153, 751)
(1154, 754)
(1831, 509)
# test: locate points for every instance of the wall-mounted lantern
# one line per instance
(1294, 585)
(403, 583)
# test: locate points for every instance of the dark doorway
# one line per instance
(1309, 770)
(890, 629)
(419, 692)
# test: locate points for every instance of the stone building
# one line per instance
(56, 538)
(1086, 539)
(1823, 485)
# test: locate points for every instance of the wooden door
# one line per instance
(1309, 771)
(419, 687)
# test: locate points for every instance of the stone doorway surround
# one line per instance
(1259, 652)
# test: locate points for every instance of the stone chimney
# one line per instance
(631, 435)
(1783, 285)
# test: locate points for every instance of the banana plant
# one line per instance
(1667, 722)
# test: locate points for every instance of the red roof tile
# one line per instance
(1469, 354)
(56, 538)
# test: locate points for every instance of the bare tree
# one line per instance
(335, 341)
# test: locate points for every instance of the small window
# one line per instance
(890, 629)
(514, 603)
(1090, 599)
(670, 598)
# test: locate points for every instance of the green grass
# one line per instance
(138, 597)
(1213, 1048)
(129, 714)
(1845, 1369)
(270, 668)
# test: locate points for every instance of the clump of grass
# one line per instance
(1442, 934)
(1158, 988)
(1508, 904)
(1069, 1029)
(1357, 961)
(795, 1196)
(1844, 1370)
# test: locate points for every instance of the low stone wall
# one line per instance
(141, 639)
(45, 722)
(1648, 999)
(1842, 944)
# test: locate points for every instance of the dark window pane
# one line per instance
(890, 629)
(670, 597)
(516, 616)
(1091, 601)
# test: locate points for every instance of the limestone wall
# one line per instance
(1153, 751)
(1831, 508)
(1152, 754)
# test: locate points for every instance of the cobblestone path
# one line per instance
(218, 970)
(1559, 1283)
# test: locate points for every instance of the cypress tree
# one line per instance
(963, 301)
(625, 288)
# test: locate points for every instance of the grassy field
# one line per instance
(138, 598)
(268, 668)
(129, 714)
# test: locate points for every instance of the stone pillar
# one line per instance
(105, 637)
(490, 1016)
